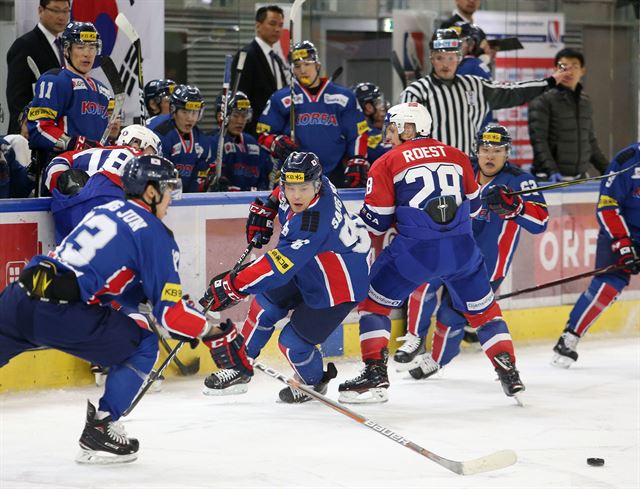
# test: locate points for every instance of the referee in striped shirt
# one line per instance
(459, 104)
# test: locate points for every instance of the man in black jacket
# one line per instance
(43, 45)
(561, 126)
(264, 71)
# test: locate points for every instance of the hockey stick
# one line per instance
(226, 81)
(336, 74)
(297, 5)
(597, 271)
(569, 183)
(111, 72)
(34, 69)
(191, 368)
(123, 24)
(398, 68)
(494, 461)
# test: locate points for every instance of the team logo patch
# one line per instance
(374, 141)
(36, 113)
(78, 84)
(88, 36)
(282, 263)
(362, 127)
(336, 98)
(262, 127)
(171, 292)
(294, 177)
(606, 201)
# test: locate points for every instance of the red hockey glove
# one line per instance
(228, 349)
(282, 146)
(260, 222)
(506, 206)
(626, 255)
(355, 173)
(78, 143)
(221, 293)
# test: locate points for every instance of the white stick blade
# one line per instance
(495, 461)
(123, 24)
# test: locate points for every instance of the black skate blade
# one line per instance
(92, 457)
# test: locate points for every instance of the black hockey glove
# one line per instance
(626, 255)
(282, 146)
(228, 348)
(221, 293)
(506, 206)
(260, 221)
(71, 181)
(355, 172)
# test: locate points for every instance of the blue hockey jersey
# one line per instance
(498, 238)
(245, 164)
(156, 120)
(376, 146)
(330, 123)
(191, 156)
(67, 103)
(14, 180)
(619, 203)
(120, 248)
(323, 250)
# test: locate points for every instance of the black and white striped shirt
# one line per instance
(459, 106)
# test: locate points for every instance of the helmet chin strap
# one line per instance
(154, 203)
(307, 82)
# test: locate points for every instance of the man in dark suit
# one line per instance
(463, 13)
(43, 45)
(264, 70)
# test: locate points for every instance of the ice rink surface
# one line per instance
(192, 441)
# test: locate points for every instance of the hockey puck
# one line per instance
(595, 462)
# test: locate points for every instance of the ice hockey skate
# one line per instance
(408, 355)
(104, 441)
(509, 377)
(565, 350)
(426, 367)
(226, 382)
(368, 387)
(289, 395)
(100, 374)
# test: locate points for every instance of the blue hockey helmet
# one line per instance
(494, 135)
(467, 30)
(157, 89)
(367, 92)
(239, 103)
(84, 33)
(303, 51)
(153, 170)
(445, 40)
(301, 167)
(187, 97)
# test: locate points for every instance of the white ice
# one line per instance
(192, 441)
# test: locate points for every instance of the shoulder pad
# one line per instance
(164, 127)
(52, 71)
(310, 221)
(626, 155)
(513, 170)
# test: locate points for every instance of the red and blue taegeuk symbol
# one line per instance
(103, 15)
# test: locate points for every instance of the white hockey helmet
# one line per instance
(146, 137)
(410, 112)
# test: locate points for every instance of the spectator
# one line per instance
(464, 12)
(264, 71)
(329, 121)
(43, 45)
(561, 126)
(246, 166)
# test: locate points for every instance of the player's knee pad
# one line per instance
(146, 354)
(369, 306)
(304, 357)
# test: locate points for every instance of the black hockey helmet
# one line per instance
(301, 167)
(157, 89)
(151, 169)
(303, 51)
(239, 103)
(494, 135)
(367, 92)
(467, 30)
(445, 40)
(187, 97)
(80, 33)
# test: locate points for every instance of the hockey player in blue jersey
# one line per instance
(182, 140)
(69, 109)
(374, 106)
(475, 51)
(70, 176)
(496, 229)
(329, 121)
(318, 270)
(245, 164)
(618, 244)
(157, 99)
(428, 191)
(15, 182)
(118, 250)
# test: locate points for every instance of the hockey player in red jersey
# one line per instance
(428, 191)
